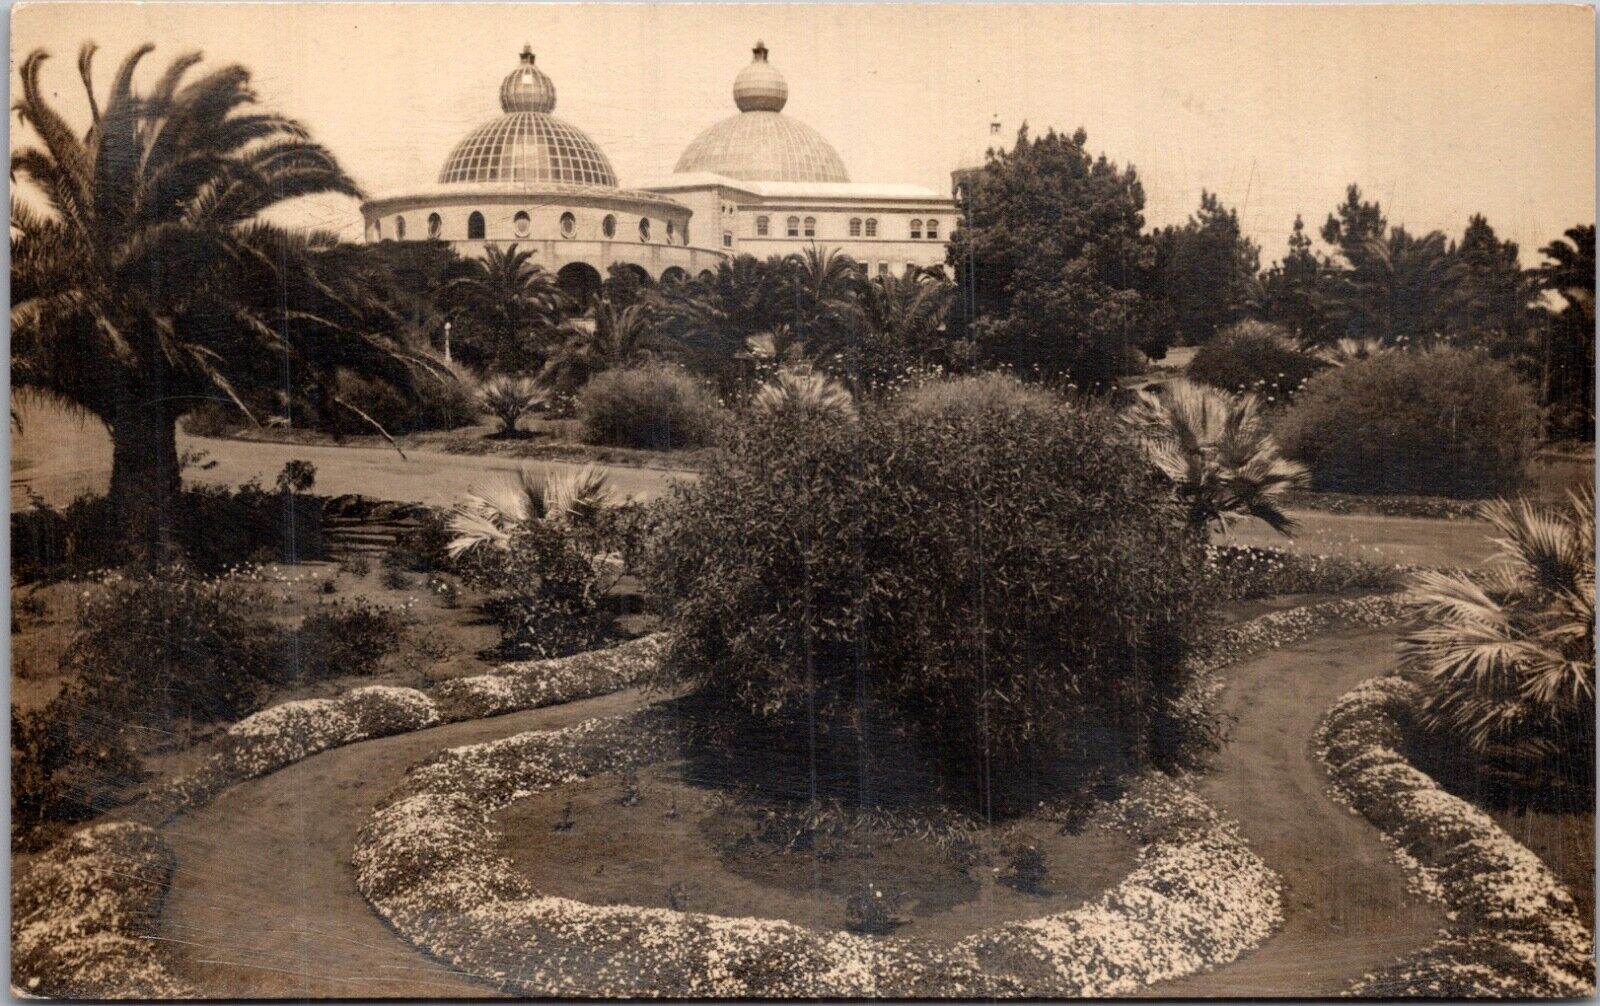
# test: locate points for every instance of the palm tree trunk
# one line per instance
(144, 476)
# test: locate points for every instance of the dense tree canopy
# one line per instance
(1051, 257)
(1208, 271)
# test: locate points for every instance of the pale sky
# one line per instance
(1437, 111)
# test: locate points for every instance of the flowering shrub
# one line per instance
(1244, 572)
(427, 862)
(1515, 929)
(81, 912)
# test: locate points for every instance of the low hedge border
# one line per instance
(81, 907)
(1514, 929)
(1380, 505)
(82, 914)
(427, 863)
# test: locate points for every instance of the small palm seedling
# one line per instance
(1026, 869)
(804, 392)
(1216, 451)
(1347, 351)
(1506, 657)
(508, 399)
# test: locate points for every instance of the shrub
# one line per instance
(1248, 572)
(67, 765)
(995, 587)
(655, 406)
(1255, 358)
(213, 528)
(1446, 422)
(1002, 390)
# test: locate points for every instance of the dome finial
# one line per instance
(527, 89)
(759, 86)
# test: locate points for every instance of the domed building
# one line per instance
(530, 179)
(774, 185)
(758, 182)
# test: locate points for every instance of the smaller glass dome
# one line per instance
(759, 86)
(527, 89)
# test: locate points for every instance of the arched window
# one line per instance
(475, 226)
(686, 232)
(916, 230)
(792, 227)
(377, 230)
(672, 231)
(608, 226)
(872, 227)
(855, 227)
(521, 224)
(727, 239)
(400, 228)
(569, 224)
(435, 225)
(933, 230)
(644, 228)
(761, 227)
(811, 227)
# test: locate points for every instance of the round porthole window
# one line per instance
(609, 226)
(569, 225)
(522, 223)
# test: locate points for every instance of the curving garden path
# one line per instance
(263, 903)
(1346, 908)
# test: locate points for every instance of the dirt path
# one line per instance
(264, 902)
(1345, 904)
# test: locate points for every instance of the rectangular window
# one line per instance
(761, 227)
(883, 268)
(811, 228)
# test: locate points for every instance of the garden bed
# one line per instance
(1515, 929)
(431, 863)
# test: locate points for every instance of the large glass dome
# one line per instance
(761, 144)
(527, 143)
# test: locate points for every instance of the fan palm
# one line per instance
(1507, 656)
(1343, 352)
(804, 392)
(1570, 271)
(1215, 449)
(489, 517)
(509, 398)
(822, 301)
(151, 283)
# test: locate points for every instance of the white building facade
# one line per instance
(757, 182)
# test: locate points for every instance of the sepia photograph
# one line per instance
(802, 501)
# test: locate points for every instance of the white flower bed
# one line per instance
(81, 914)
(535, 683)
(1514, 928)
(427, 863)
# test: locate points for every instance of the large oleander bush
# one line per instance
(1255, 358)
(1446, 422)
(983, 592)
(654, 406)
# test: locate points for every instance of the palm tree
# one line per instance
(821, 293)
(489, 517)
(509, 398)
(1507, 656)
(1570, 271)
(150, 282)
(1215, 449)
(1343, 352)
(508, 304)
(616, 337)
(804, 392)
(1399, 289)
